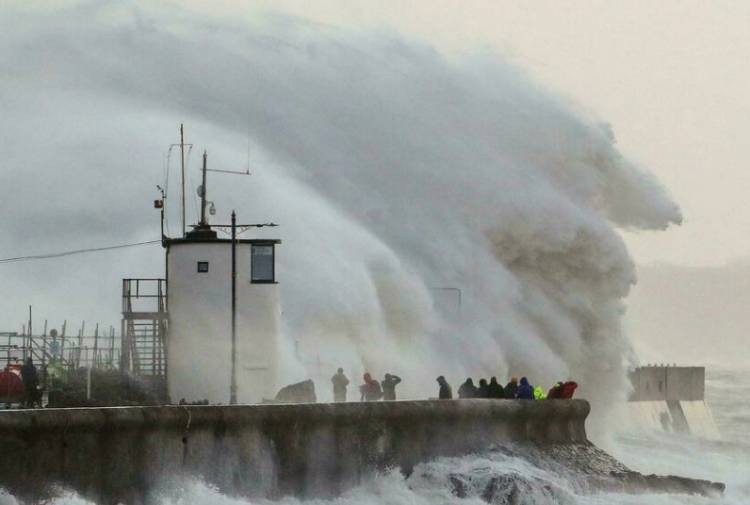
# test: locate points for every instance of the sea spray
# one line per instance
(397, 173)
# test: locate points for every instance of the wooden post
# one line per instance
(62, 341)
(80, 344)
(112, 346)
(44, 356)
(94, 358)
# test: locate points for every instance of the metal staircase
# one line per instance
(144, 331)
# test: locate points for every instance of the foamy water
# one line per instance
(726, 460)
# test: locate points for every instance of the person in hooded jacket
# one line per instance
(539, 393)
(340, 381)
(495, 390)
(525, 390)
(446, 393)
(483, 390)
(568, 389)
(511, 389)
(370, 391)
(555, 392)
(30, 383)
(467, 389)
(389, 386)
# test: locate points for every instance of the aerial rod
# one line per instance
(182, 168)
(247, 172)
(182, 146)
(242, 228)
(203, 192)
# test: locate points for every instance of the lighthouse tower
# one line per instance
(224, 314)
(206, 359)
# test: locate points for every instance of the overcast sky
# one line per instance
(670, 77)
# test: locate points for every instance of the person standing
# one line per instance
(370, 391)
(484, 389)
(467, 389)
(495, 389)
(340, 382)
(446, 393)
(511, 389)
(525, 390)
(30, 383)
(389, 386)
(555, 391)
(569, 388)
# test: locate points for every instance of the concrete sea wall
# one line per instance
(671, 398)
(124, 454)
(668, 383)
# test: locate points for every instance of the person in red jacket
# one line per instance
(568, 389)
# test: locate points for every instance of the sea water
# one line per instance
(726, 460)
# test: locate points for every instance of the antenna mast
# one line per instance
(203, 192)
(182, 164)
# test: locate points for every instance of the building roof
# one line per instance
(168, 242)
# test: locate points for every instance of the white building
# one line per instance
(199, 335)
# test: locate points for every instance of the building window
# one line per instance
(203, 267)
(262, 267)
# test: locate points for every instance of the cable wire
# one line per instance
(76, 251)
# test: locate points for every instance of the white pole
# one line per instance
(88, 383)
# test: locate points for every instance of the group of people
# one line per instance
(512, 390)
(370, 391)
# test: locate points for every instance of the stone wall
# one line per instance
(125, 453)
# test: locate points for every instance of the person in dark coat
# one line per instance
(389, 386)
(511, 389)
(30, 383)
(494, 389)
(525, 390)
(446, 393)
(370, 391)
(467, 389)
(340, 381)
(483, 390)
(555, 392)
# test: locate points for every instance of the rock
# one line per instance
(301, 392)
(634, 482)
(459, 486)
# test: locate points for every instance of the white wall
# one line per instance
(199, 338)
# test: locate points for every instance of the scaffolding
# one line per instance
(100, 349)
(144, 331)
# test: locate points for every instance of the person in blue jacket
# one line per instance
(525, 390)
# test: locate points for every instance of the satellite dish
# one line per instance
(200, 191)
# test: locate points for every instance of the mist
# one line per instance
(395, 171)
(690, 315)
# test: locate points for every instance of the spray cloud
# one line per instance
(403, 178)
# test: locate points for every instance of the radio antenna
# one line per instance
(182, 145)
